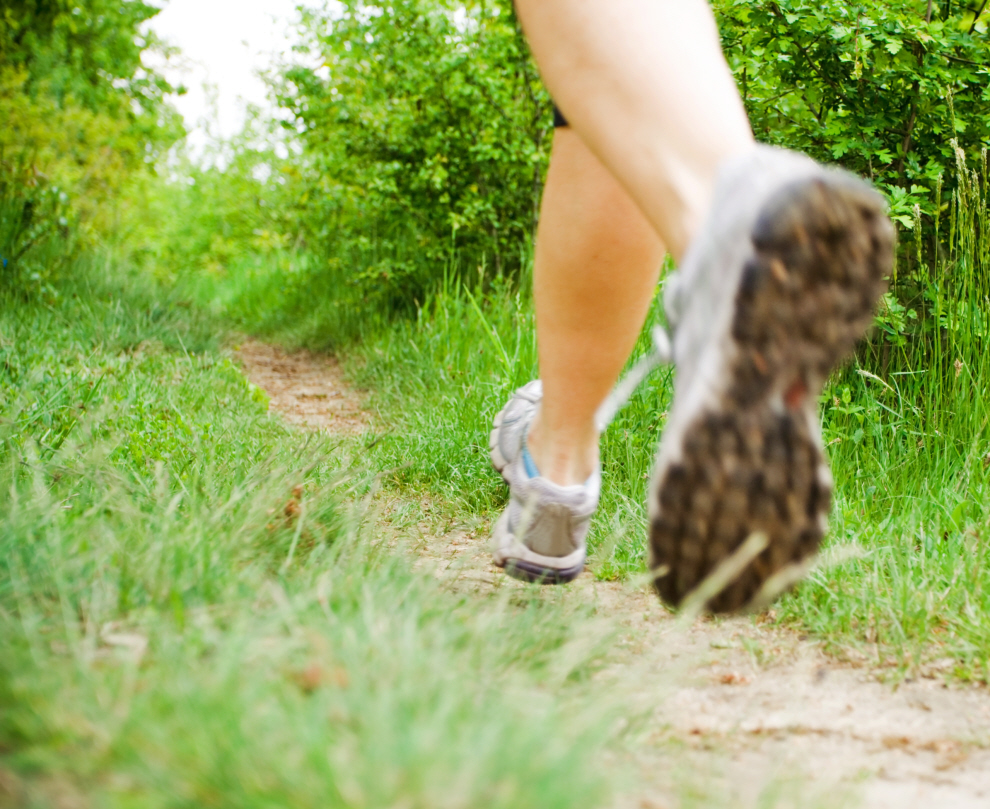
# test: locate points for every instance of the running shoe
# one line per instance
(541, 535)
(775, 291)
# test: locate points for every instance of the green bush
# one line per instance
(882, 88)
(81, 114)
(425, 132)
(240, 200)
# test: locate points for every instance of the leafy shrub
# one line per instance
(896, 91)
(80, 115)
(882, 88)
(240, 200)
(424, 129)
(425, 132)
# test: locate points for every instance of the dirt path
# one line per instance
(308, 390)
(758, 716)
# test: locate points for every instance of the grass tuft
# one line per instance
(197, 608)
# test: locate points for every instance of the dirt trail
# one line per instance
(308, 390)
(758, 716)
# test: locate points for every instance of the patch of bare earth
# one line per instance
(734, 712)
(307, 389)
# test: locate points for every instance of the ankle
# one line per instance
(564, 460)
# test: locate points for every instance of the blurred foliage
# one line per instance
(425, 133)
(413, 137)
(81, 115)
(241, 197)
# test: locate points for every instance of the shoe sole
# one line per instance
(537, 574)
(753, 461)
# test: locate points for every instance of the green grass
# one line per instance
(196, 608)
(906, 578)
(200, 607)
(917, 587)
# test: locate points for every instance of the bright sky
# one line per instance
(224, 43)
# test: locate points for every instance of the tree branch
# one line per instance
(952, 58)
(976, 19)
(908, 134)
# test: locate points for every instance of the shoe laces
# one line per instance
(662, 353)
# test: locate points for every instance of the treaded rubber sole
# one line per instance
(753, 461)
(526, 571)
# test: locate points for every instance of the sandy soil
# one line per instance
(736, 712)
(307, 389)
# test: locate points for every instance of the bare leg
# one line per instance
(645, 85)
(775, 294)
(596, 267)
(662, 118)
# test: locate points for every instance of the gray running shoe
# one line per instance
(541, 534)
(775, 291)
(511, 423)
